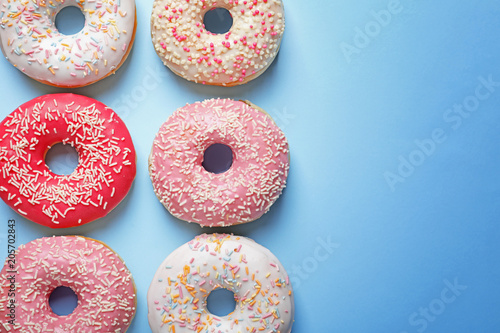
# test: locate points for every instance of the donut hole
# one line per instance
(70, 20)
(217, 158)
(61, 159)
(218, 20)
(63, 301)
(221, 302)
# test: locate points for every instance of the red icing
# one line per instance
(102, 179)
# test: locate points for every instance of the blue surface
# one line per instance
(390, 220)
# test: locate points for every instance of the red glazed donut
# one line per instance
(96, 274)
(102, 178)
(243, 193)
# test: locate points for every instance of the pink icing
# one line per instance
(97, 275)
(243, 193)
(102, 179)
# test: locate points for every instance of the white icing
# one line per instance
(263, 294)
(236, 57)
(31, 42)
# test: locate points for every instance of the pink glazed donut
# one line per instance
(106, 164)
(103, 284)
(243, 193)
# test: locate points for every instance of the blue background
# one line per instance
(355, 109)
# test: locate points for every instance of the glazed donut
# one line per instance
(32, 43)
(243, 193)
(102, 178)
(236, 57)
(96, 274)
(177, 296)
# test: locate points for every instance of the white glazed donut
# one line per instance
(236, 57)
(178, 293)
(31, 42)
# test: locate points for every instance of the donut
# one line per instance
(236, 57)
(243, 193)
(96, 274)
(177, 296)
(103, 177)
(30, 40)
